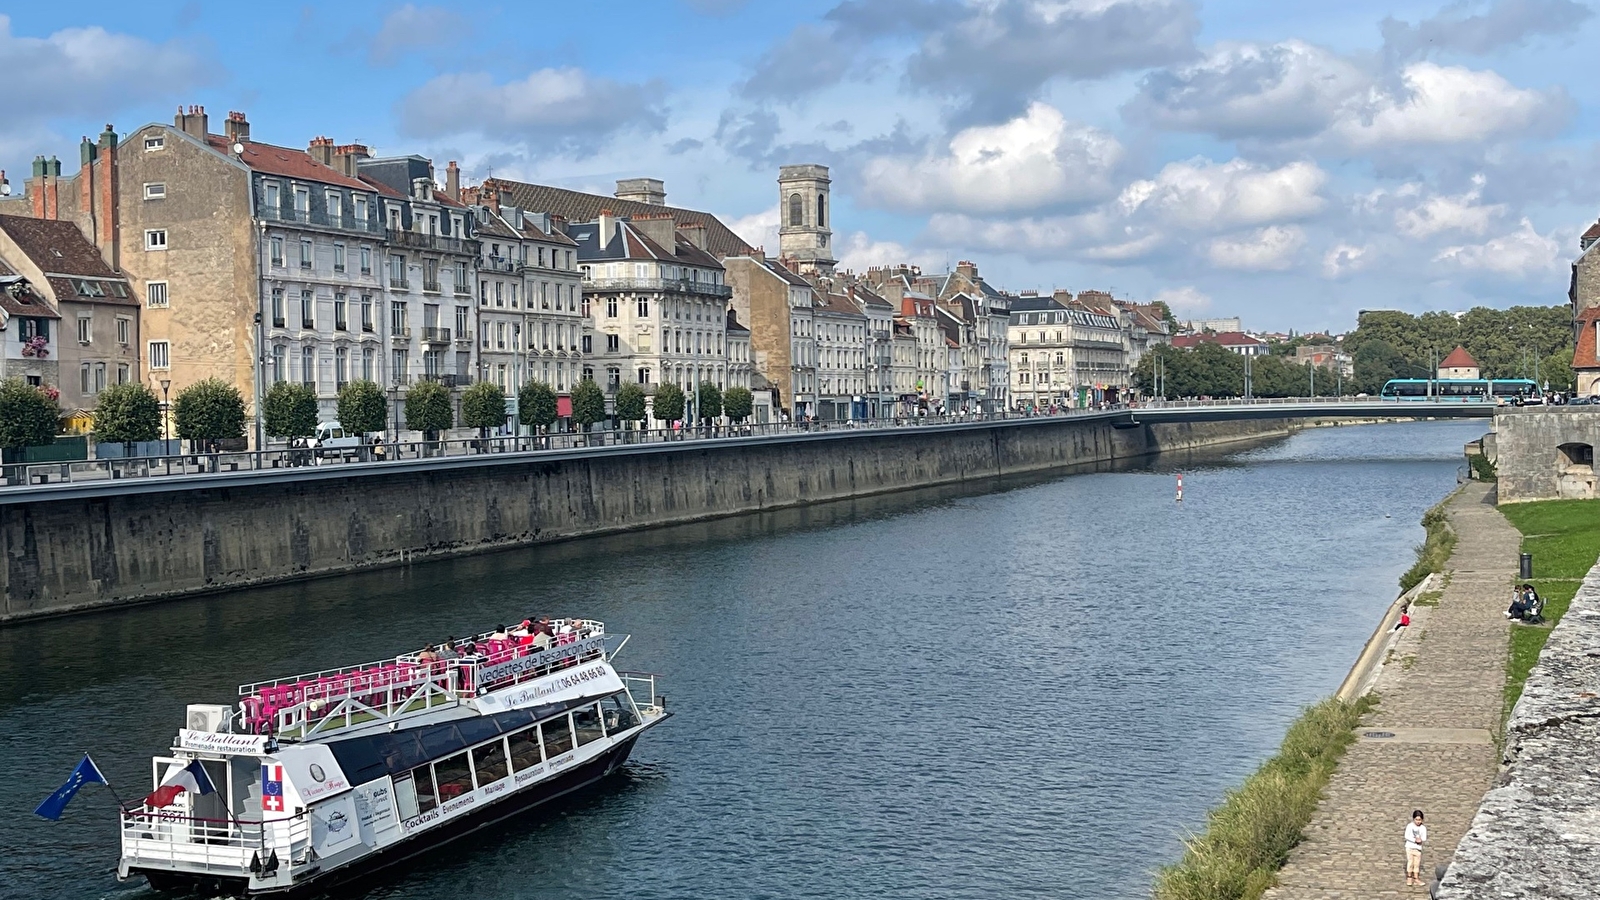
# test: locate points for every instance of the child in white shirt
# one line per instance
(1416, 836)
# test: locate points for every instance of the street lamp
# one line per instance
(166, 413)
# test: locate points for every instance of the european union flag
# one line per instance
(86, 773)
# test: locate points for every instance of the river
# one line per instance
(1029, 690)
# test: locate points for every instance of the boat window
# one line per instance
(425, 796)
(557, 737)
(489, 763)
(439, 741)
(618, 712)
(586, 722)
(405, 797)
(453, 777)
(476, 731)
(525, 751)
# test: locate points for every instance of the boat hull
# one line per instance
(519, 803)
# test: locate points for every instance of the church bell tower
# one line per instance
(804, 215)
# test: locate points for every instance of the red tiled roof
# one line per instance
(1587, 355)
(1187, 341)
(275, 160)
(1236, 339)
(1459, 358)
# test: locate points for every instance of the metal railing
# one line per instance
(435, 335)
(679, 285)
(343, 221)
(419, 241)
(20, 477)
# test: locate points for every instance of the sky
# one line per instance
(1289, 163)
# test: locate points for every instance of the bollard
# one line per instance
(1525, 572)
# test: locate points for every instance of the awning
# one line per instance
(563, 406)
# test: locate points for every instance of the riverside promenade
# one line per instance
(1429, 744)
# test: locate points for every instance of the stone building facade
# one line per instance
(96, 339)
(805, 232)
(780, 308)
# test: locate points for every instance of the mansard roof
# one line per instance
(577, 206)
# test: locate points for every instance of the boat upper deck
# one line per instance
(314, 704)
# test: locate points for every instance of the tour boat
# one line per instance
(320, 778)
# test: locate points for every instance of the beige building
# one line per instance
(49, 266)
(841, 338)
(780, 308)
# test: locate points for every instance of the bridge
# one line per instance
(107, 477)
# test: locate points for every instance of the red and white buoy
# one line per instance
(1180, 487)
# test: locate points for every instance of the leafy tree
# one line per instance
(428, 409)
(483, 406)
(1557, 370)
(209, 410)
(738, 403)
(630, 403)
(1375, 363)
(588, 403)
(126, 414)
(362, 408)
(537, 403)
(668, 404)
(28, 417)
(709, 401)
(1507, 343)
(290, 410)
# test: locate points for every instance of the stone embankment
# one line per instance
(101, 546)
(1537, 834)
(1429, 743)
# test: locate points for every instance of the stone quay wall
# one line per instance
(1537, 834)
(1545, 453)
(79, 553)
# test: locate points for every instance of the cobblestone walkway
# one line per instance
(1429, 744)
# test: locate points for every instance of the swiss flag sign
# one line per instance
(272, 788)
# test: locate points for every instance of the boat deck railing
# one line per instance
(317, 703)
(223, 846)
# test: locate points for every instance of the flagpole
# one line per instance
(120, 805)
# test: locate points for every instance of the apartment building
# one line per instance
(780, 307)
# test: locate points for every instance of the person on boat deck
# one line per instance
(427, 655)
(500, 634)
(541, 640)
(447, 650)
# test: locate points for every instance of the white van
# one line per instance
(332, 441)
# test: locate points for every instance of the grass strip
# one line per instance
(1248, 838)
(1564, 538)
(1435, 549)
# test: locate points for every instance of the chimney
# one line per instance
(608, 227)
(5, 186)
(558, 223)
(348, 158)
(106, 215)
(694, 232)
(642, 190)
(321, 150)
(192, 122)
(238, 128)
(452, 181)
(660, 228)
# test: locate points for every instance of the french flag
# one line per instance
(191, 778)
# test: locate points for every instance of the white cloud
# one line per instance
(758, 229)
(550, 110)
(1205, 195)
(860, 252)
(1440, 213)
(1444, 105)
(1287, 89)
(1523, 253)
(1036, 160)
(1273, 247)
(1187, 300)
(91, 71)
(1346, 259)
(411, 28)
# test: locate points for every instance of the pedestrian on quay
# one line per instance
(1416, 836)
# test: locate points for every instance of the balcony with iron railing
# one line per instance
(435, 335)
(498, 264)
(399, 283)
(320, 218)
(415, 240)
(400, 335)
(431, 286)
(666, 285)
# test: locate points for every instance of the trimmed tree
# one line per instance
(709, 401)
(28, 417)
(588, 403)
(209, 410)
(127, 414)
(290, 410)
(537, 404)
(630, 403)
(668, 403)
(428, 409)
(483, 406)
(362, 407)
(738, 403)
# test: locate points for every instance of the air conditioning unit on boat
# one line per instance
(208, 717)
